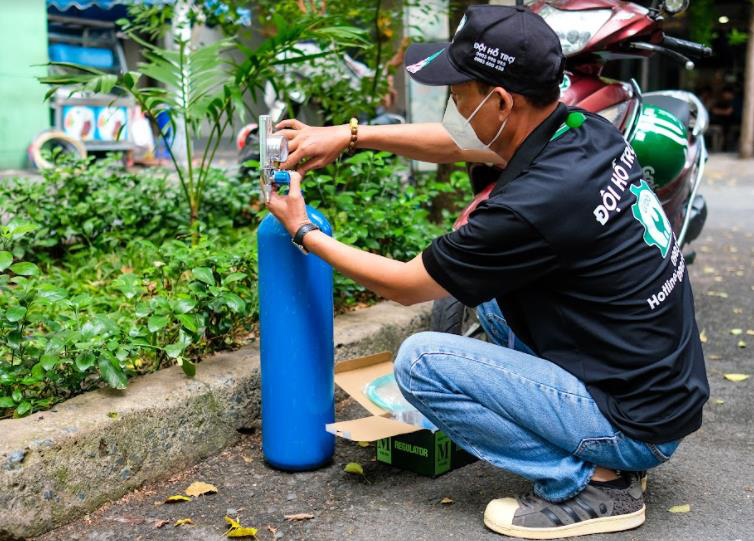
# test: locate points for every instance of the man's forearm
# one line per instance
(427, 142)
(388, 278)
(373, 271)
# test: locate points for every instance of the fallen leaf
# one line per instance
(242, 532)
(741, 344)
(736, 332)
(685, 508)
(703, 336)
(447, 501)
(160, 523)
(719, 402)
(750, 332)
(721, 294)
(272, 530)
(182, 521)
(353, 467)
(709, 270)
(178, 498)
(299, 516)
(112, 414)
(736, 377)
(236, 530)
(738, 311)
(363, 444)
(714, 357)
(247, 459)
(198, 488)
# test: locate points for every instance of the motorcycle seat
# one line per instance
(678, 108)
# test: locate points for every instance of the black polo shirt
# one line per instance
(579, 255)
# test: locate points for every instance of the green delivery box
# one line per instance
(424, 452)
(403, 445)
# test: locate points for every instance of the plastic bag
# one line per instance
(384, 392)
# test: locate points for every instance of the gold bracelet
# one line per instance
(354, 123)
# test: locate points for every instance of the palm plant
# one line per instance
(204, 84)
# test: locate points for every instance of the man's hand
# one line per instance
(290, 209)
(319, 146)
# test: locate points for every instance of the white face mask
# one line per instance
(460, 130)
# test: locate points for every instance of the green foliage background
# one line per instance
(107, 273)
(99, 279)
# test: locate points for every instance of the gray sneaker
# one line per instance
(594, 510)
(642, 478)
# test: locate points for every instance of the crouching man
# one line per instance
(595, 372)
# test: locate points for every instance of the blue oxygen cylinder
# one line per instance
(297, 350)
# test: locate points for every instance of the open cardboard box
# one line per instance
(403, 445)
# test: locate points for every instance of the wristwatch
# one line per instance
(298, 238)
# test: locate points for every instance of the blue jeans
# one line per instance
(515, 410)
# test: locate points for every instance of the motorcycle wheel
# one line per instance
(449, 315)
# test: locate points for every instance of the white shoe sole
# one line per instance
(596, 525)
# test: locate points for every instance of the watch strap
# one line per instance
(298, 238)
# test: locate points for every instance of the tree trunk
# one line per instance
(746, 149)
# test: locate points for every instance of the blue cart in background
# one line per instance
(87, 122)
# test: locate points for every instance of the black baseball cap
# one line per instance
(506, 46)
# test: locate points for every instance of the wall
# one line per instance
(23, 42)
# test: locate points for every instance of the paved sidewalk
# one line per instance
(712, 471)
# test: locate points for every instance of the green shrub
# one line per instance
(82, 203)
(106, 317)
(131, 294)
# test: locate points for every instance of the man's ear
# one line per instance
(505, 100)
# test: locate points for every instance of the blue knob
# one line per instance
(282, 177)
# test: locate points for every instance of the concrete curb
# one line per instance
(58, 465)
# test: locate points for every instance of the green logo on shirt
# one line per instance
(648, 211)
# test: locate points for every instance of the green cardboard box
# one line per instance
(423, 452)
(400, 444)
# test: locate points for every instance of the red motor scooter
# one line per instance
(666, 128)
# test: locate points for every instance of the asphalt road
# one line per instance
(712, 471)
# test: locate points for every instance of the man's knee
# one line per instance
(410, 351)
